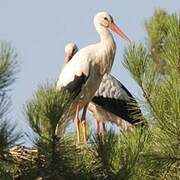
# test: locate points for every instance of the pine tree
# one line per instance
(8, 136)
(140, 153)
(161, 88)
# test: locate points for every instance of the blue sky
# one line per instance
(39, 30)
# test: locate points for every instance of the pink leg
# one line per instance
(76, 122)
(100, 127)
(83, 121)
(104, 128)
(103, 131)
(97, 127)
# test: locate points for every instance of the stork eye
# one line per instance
(105, 18)
(74, 51)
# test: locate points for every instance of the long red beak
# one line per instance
(117, 30)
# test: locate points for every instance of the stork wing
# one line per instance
(74, 87)
(73, 76)
(112, 88)
(115, 98)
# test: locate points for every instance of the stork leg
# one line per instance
(97, 127)
(104, 128)
(101, 129)
(83, 121)
(76, 122)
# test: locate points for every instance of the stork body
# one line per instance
(82, 75)
(112, 101)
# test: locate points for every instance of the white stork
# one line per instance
(112, 101)
(82, 75)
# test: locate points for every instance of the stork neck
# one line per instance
(107, 49)
(104, 33)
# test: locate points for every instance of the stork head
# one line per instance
(103, 20)
(70, 50)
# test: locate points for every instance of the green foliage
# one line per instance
(171, 50)
(54, 155)
(139, 153)
(165, 152)
(136, 154)
(52, 162)
(116, 156)
(8, 136)
(61, 158)
(157, 29)
(138, 60)
(163, 32)
(5, 103)
(143, 70)
(161, 158)
(8, 65)
(45, 110)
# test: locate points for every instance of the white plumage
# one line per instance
(83, 74)
(112, 101)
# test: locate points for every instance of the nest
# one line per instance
(23, 153)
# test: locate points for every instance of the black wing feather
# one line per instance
(75, 86)
(121, 108)
(119, 101)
